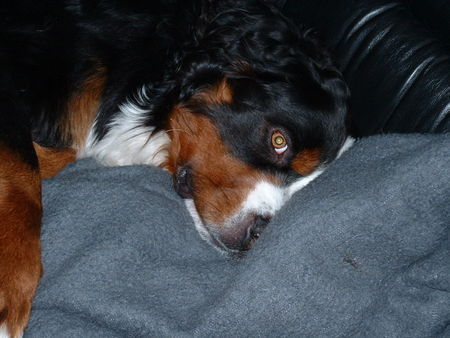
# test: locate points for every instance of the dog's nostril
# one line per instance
(245, 236)
(258, 226)
(183, 182)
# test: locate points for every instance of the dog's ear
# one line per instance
(278, 3)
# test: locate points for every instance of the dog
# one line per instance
(237, 103)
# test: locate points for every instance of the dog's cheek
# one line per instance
(216, 197)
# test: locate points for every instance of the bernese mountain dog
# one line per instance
(238, 104)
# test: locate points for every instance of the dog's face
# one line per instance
(259, 110)
(239, 145)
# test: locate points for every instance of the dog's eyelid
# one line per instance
(281, 151)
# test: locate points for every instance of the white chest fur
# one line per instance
(128, 140)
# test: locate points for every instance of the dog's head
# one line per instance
(271, 114)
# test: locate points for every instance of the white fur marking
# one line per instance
(128, 141)
(265, 199)
(197, 220)
(304, 181)
(4, 332)
(349, 141)
(200, 227)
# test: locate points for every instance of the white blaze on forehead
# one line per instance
(265, 199)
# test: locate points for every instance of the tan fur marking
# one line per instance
(220, 93)
(221, 181)
(82, 109)
(20, 217)
(306, 161)
(51, 161)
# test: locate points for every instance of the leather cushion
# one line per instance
(397, 68)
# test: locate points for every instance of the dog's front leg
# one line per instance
(20, 220)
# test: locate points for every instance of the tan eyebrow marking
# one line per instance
(219, 93)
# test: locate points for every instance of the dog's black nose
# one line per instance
(257, 226)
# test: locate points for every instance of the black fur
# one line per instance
(175, 48)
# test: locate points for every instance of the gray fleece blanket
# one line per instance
(362, 251)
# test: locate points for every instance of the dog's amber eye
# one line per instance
(279, 142)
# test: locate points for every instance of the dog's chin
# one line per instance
(235, 238)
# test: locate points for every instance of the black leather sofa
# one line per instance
(395, 56)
